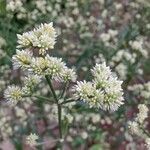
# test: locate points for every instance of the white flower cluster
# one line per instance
(143, 113)
(14, 5)
(110, 37)
(103, 92)
(42, 37)
(142, 90)
(13, 94)
(22, 59)
(141, 116)
(129, 56)
(4, 75)
(32, 139)
(5, 127)
(138, 46)
(138, 127)
(134, 128)
(44, 65)
(147, 141)
(30, 83)
(37, 66)
(144, 2)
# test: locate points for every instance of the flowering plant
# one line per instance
(104, 91)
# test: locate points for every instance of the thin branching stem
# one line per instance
(51, 88)
(59, 120)
(42, 97)
(64, 90)
(58, 107)
(68, 101)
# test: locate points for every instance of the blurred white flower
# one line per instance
(84, 135)
(138, 46)
(147, 141)
(143, 113)
(134, 127)
(13, 94)
(31, 80)
(32, 139)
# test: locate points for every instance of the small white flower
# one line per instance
(56, 66)
(105, 37)
(138, 46)
(22, 59)
(39, 65)
(134, 128)
(42, 37)
(106, 82)
(30, 83)
(52, 66)
(103, 92)
(26, 39)
(13, 94)
(147, 141)
(143, 113)
(113, 33)
(84, 135)
(32, 139)
(101, 72)
(31, 80)
(68, 75)
(87, 92)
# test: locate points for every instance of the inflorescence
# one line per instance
(104, 91)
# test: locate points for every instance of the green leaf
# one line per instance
(78, 141)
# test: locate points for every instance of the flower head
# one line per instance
(68, 75)
(22, 59)
(88, 93)
(30, 83)
(32, 139)
(107, 82)
(56, 66)
(134, 127)
(51, 66)
(143, 113)
(147, 141)
(42, 37)
(32, 80)
(104, 91)
(101, 74)
(13, 94)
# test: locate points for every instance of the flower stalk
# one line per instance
(59, 108)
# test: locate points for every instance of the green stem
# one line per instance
(64, 90)
(58, 106)
(42, 97)
(59, 120)
(51, 88)
(68, 101)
